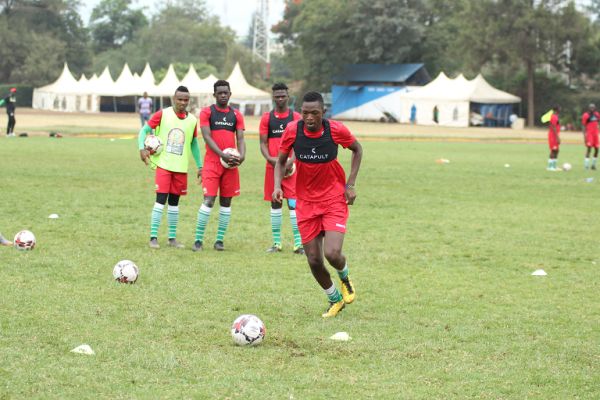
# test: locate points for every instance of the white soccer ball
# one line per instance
(232, 151)
(153, 144)
(566, 166)
(292, 171)
(248, 330)
(126, 272)
(24, 240)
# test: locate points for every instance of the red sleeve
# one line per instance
(341, 135)
(263, 128)
(554, 119)
(154, 120)
(196, 130)
(240, 120)
(288, 138)
(584, 118)
(205, 117)
(297, 116)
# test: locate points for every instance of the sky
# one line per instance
(236, 14)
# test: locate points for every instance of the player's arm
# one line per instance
(583, 126)
(241, 145)
(264, 150)
(279, 173)
(144, 154)
(355, 161)
(196, 152)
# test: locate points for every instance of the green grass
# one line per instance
(441, 256)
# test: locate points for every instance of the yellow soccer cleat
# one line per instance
(334, 309)
(348, 293)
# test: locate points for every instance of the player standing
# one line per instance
(11, 101)
(272, 125)
(554, 139)
(589, 122)
(323, 193)
(144, 108)
(178, 131)
(222, 126)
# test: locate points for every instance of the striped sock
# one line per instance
(333, 294)
(343, 274)
(155, 218)
(224, 217)
(203, 216)
(276, 225)
(295, 231)
(172, 220)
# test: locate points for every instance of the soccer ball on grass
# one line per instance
(24, 240)
(566, 166)
(248, 330)
(126, 272)
(153, 144)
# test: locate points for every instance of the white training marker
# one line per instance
(506, 165)
(539, 272)
(112, 139)
(341, 337)
(53, 216)
(83, 349)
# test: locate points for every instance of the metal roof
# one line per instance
(392, 73)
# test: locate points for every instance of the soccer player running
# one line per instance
(178, 131)
(554, 139)
(589, 122)
(323, 193)
(272, 125)
(222, 126)
(10, 100)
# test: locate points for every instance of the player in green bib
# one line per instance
(178, 131)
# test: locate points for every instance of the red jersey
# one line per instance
(223, 124)
(554, 123)
(154, 121)
(318, 181)
(274, 141)
(590, 120)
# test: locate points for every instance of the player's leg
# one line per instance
(595, 159)
(298, 249)
(173, 220)
(333, 253)
(314, 256)
(586, 161)
(228, 188)
(156, 217)
(202, 221)
(276, 213)
(224, 218)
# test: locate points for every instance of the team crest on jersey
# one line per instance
(175, 141)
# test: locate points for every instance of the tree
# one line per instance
(113, 23)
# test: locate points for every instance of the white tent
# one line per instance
(61, 95)
(251, 100)
(452, 98)
(169, 83)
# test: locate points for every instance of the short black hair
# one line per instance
(221, 82)
(556, 107)
(183, 89)
(279, 86)
(309, 97)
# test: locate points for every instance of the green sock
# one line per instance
(203, 216)
(343, 274)
(224, 217)
(295, 231)
(155, 218)
(333, 294)
(172, 220)
(276, 225)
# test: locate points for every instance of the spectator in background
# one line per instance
(413, 114)
(436, 114)
(11, 101)
(144, 108)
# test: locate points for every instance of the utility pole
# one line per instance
(260, 42)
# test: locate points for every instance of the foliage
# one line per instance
(114, 23)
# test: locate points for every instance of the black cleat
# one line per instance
(219, 246)
(197, 246)
(299, 250)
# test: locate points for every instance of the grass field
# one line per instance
(441, 256)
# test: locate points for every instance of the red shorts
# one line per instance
(217, 179)
(170, 182)
(288, 185)
(552, 143)
(591, 139)
(315, 217)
